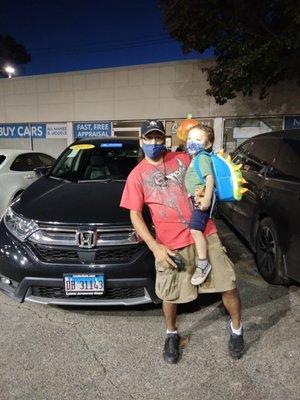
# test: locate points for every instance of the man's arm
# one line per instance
(161, 253)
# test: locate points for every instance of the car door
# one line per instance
(283, 184)
(23, 168)
(259, 156)
(21, 173)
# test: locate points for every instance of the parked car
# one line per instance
(65, 240)
(17, 172)
(268, 216)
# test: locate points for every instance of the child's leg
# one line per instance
(200, 243)
(197, 226)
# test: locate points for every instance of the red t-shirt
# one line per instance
(162, 188)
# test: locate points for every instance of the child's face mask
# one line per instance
(196, 141)
(194, 146)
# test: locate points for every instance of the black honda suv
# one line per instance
(268, 216)
(65, 240)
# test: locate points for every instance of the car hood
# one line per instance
(50, 200)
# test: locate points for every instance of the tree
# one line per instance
(12, 53)
(256, 43)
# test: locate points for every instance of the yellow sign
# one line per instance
(82, 146)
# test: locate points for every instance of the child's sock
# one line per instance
(202, 263)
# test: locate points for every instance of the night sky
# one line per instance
(70, 35)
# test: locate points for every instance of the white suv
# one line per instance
(17, 172)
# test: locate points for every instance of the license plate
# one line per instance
(86, 284)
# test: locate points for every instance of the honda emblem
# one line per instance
(86, 239)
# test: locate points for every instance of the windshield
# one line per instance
(97, 162)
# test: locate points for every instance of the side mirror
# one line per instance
(40, 171)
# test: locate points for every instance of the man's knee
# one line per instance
(231, 294)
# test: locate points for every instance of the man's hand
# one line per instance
(161, 253)
(162, 256)
(205, 203)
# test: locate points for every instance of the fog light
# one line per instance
(6, 281)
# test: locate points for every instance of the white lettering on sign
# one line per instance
(93, 129)
(6, 131)
(15, 131)
(84, 127)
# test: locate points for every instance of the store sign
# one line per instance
(92, 129)
(292, 122)
(174, 128)
(56, 131)
(22, 131)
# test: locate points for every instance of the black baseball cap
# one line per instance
(152, 125)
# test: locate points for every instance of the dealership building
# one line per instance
(48, 112)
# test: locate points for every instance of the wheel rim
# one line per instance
(266, 249)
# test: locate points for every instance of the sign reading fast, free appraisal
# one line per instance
(92, 129)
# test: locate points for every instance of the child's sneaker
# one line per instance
(200, 275)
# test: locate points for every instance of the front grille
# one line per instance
(110, 293)
(105, 255)
(48, 254)
(116, 254)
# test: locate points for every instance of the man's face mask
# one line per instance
(194, 147)
(153, 151)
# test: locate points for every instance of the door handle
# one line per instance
(265, 194)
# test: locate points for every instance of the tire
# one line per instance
(269, 256)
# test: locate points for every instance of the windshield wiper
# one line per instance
(60, 179)
(108, 180)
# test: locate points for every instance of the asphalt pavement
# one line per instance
(55, 353)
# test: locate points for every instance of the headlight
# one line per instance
(19, 226)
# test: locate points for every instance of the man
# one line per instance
(158, 181)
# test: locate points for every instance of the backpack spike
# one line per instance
(243, 190)
(221, 153)
(238, 166)
(228, 158)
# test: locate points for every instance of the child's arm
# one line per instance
(209, 187)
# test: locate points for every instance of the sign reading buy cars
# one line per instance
(92, 129)
(21, 131)
(38, 131)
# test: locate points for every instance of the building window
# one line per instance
(237, 130)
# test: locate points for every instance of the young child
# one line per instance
(200, 139)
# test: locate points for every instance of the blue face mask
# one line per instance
(153, 151)
(194, 147)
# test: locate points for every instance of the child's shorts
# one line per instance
(199, 218)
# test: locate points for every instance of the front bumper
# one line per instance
(127, 284)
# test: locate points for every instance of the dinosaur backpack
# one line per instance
(227, 175)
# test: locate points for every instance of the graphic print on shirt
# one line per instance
(168, 190)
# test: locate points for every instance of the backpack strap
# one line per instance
(197, 163)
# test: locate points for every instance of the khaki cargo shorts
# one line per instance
(175, 286)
